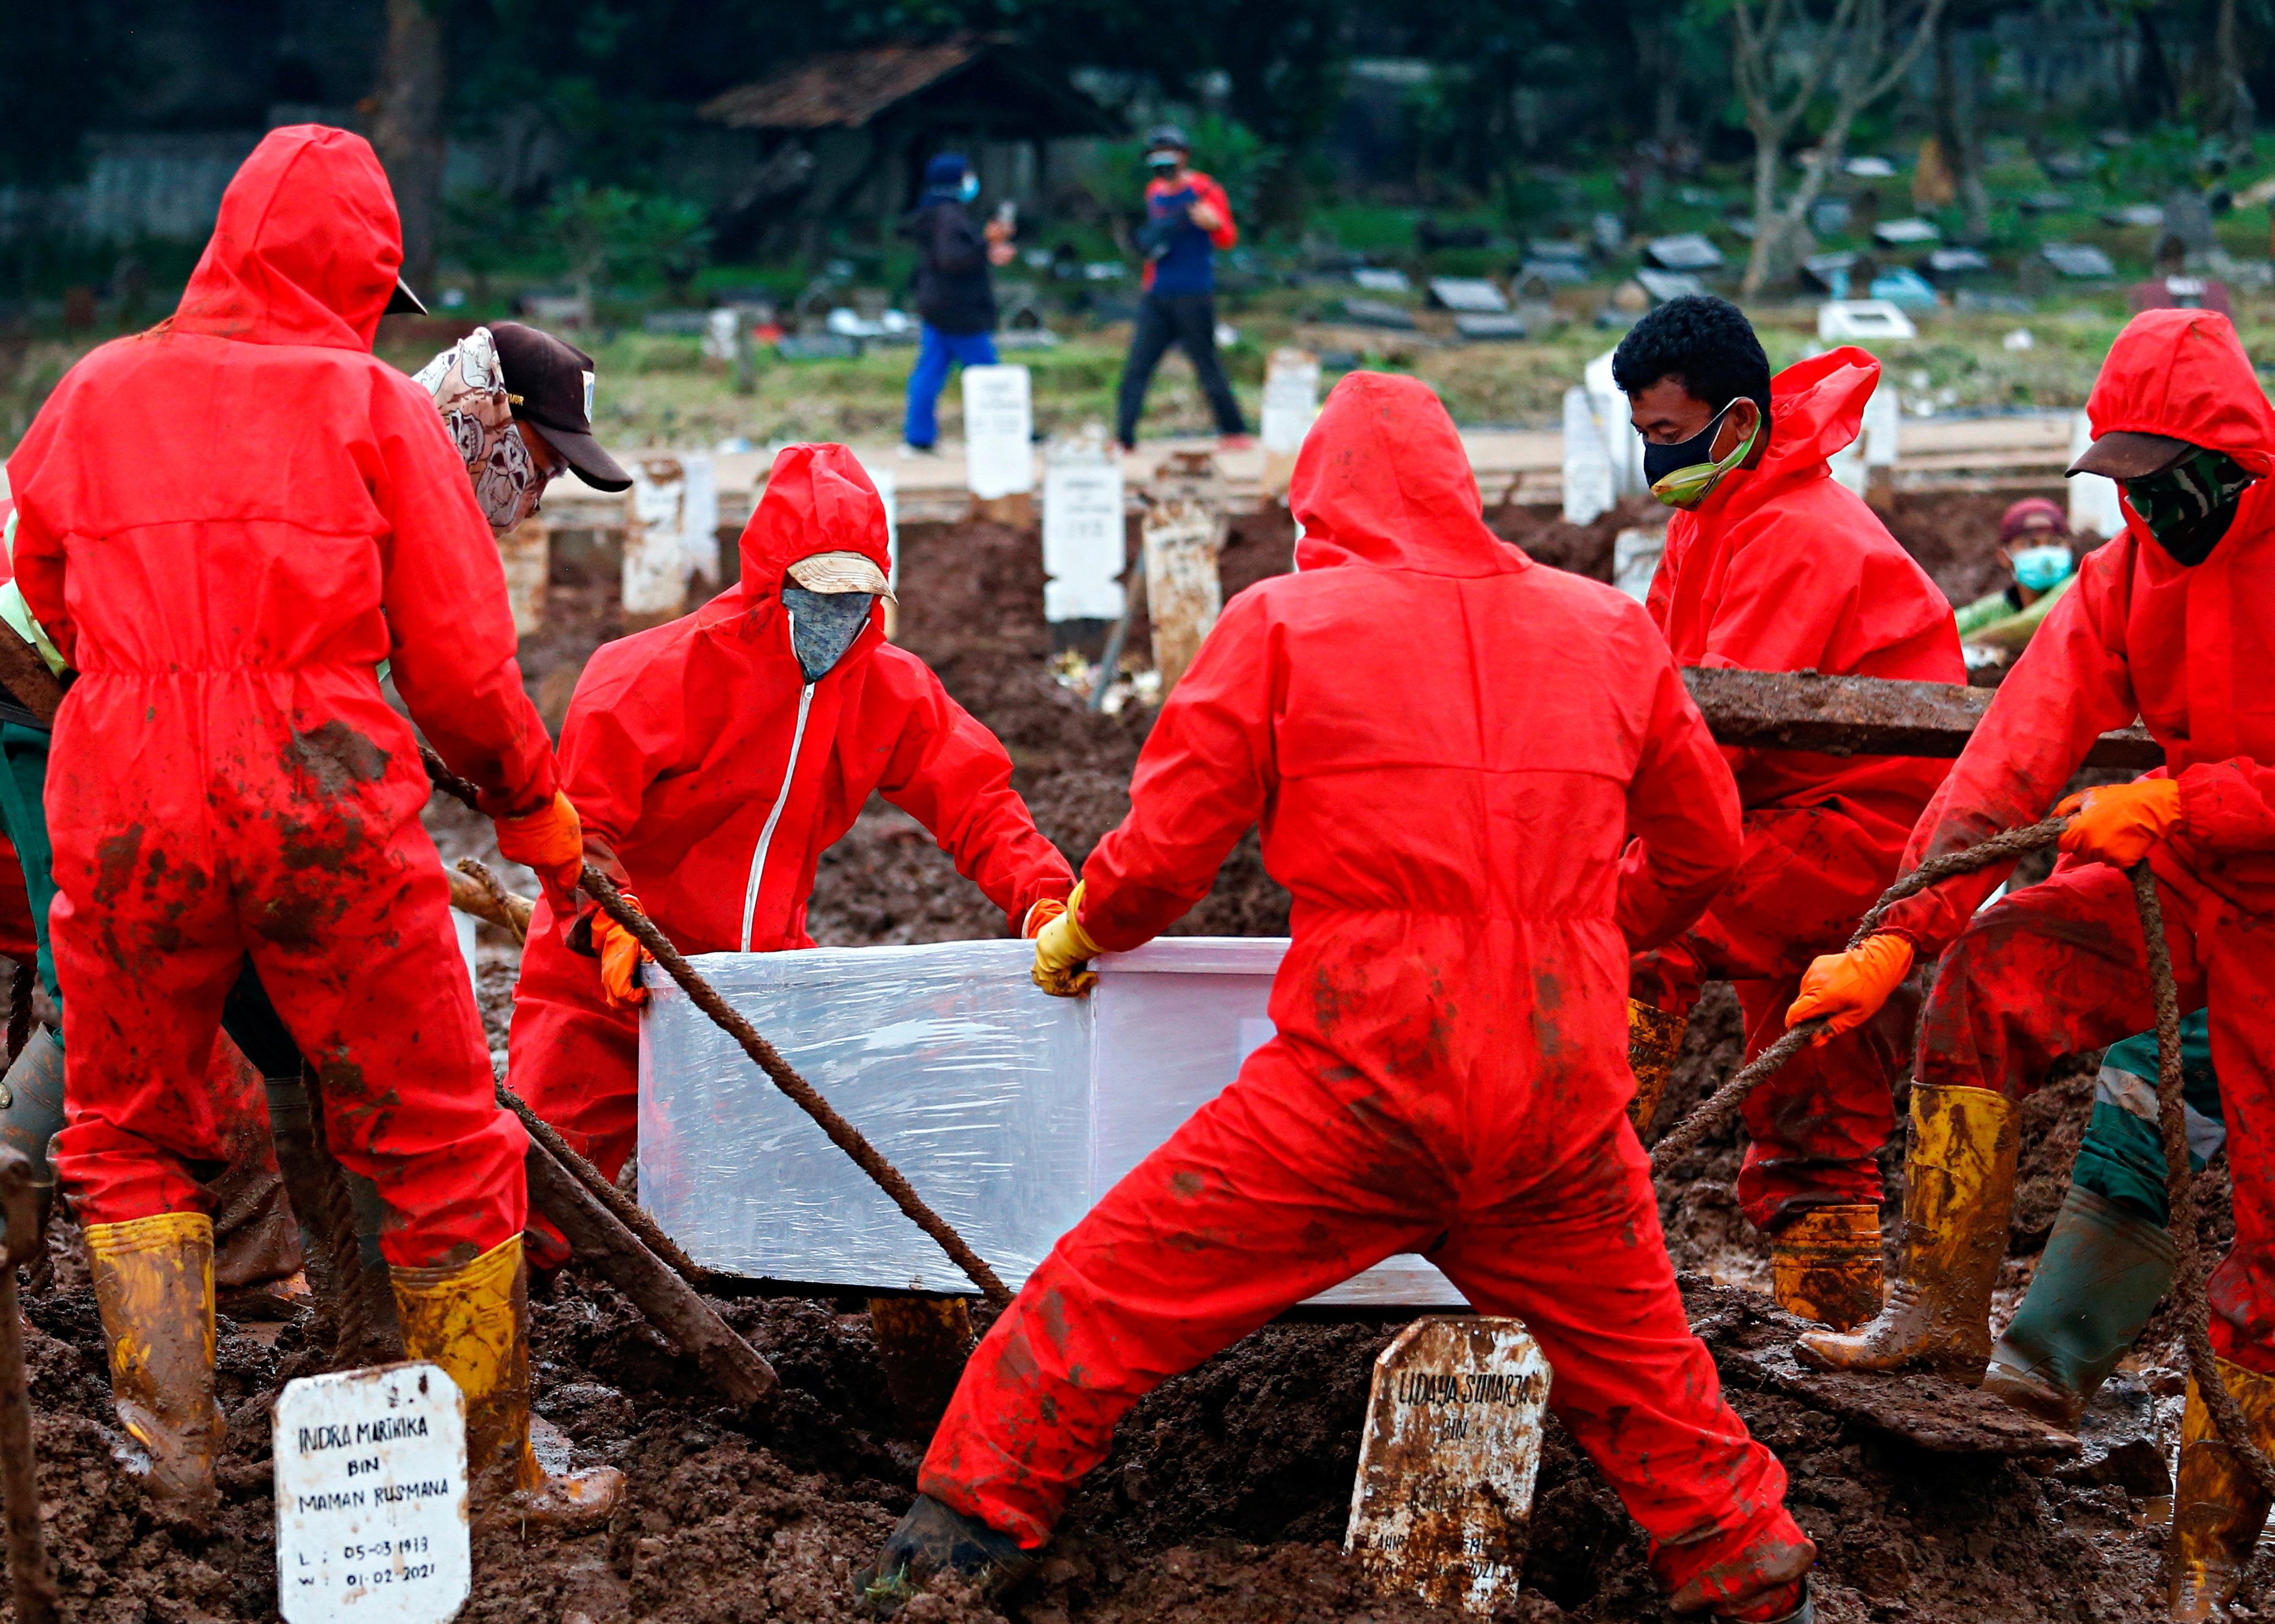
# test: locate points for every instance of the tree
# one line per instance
(409, 134)
(1862, 49)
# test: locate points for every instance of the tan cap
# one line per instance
(2129, 455)
(841, 572)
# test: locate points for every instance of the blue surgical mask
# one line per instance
(2041, 569)
(969, 187)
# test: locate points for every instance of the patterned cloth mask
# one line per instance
(2188, 506)
(469, 389)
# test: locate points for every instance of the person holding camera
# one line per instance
(1187, 220)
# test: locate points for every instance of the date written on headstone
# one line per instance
(371, 1497)
(1443, 1502)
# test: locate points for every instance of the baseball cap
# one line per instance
(403, 301)
(1166, 138)
(550, 383)
(2033, 515)
(2127, 455)
(841, 571)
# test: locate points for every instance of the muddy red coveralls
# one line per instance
(2058, 968)
(713, 776)
(1443, 743)
(226, 524)
(1781, 569)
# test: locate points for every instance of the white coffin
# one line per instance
(1012, 1111)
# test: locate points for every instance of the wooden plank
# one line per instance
(1866, 716)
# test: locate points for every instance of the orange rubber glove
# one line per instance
(1848, 988)
(1041, 914)
(621, 957)
(2118, 823)
(550, 840)
(1063, 951)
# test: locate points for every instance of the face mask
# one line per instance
(968, 187)
(2188, 507)
(1682, 475)
(823, 625)
(2042, 569)
(469, 390)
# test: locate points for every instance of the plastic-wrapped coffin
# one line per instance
(1012, 1111)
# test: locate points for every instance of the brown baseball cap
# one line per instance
(550, 383)
(2127, 455)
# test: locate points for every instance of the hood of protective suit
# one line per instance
(818, 500)
(2182, 372)
(1382, 479)
(305, 249)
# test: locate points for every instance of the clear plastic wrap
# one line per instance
(1011, 1111)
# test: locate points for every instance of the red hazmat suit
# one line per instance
(1781, 569)
(1443, 744)
(713, 777)
(226, 524)
(2059, 968)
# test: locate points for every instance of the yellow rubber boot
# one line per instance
(1825, 1266)
(2217, 1507)
(154, 1289)
(1958, 1198)
(1654, 1040)
(474, 1321)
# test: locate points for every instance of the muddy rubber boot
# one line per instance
(2104, 1270)
(933, 1539)
(474, 1321)
(32, 1108)
(1825, 1266)
(2217, 1507)
(154, 1289)
(1654, 1040)
(1959, 1198)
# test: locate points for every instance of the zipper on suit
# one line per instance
(766, 834)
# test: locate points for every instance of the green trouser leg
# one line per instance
(2109, 1261)
(23, 808)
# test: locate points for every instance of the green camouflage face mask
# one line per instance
(2188, 506)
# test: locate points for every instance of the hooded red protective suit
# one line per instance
(226, 524)
(1781, 569)
(2059, 968)
(714, 776)
(1443, 744)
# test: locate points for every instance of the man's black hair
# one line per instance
(1704, 342)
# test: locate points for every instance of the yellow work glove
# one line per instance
(550, 840)
(621, 955)
(2118, 823)
(1848, 988)
(1063, 950)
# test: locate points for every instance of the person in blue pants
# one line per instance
(956, 294)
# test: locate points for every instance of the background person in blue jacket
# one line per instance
(1187, 220)
(956, 296)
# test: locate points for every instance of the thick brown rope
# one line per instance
(626, 1212)
(842, 1133)
(1724, 1102)
(2188, 1279)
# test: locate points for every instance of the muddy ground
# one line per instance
(1224, 1499)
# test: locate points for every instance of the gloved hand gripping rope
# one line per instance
(763, 1054)
(2180, 1180)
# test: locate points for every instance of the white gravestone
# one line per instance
(999, 432)
(371, 1498)
(655, 547)
(2093, 504)
(699, 516)
(1587, 493)
(1291, 401)
(1085, 545)
(1443, 1505)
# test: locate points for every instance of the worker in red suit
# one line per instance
(2174, 622)
(1771, 565)
(716, 758)
(225, 525)
(1445, 746)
